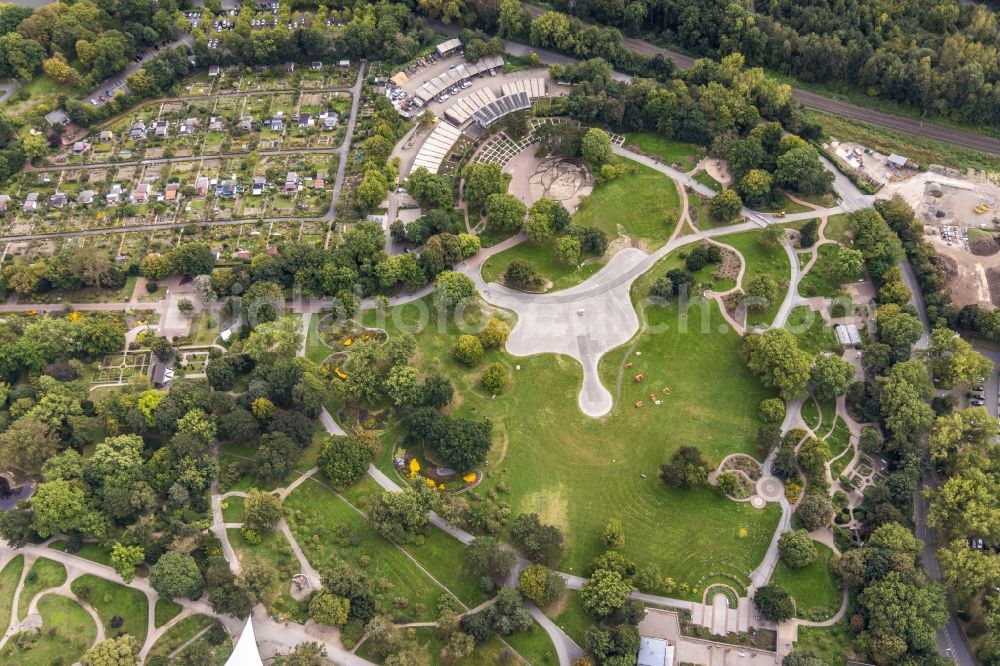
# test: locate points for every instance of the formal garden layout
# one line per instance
(418, 347)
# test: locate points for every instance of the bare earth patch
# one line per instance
(566, 181)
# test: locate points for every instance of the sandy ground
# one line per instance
(717, 169)
(946, 204)
(876, 165)
(563, 180)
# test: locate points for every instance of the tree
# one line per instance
(687, 468)
(613, 536)
(61, 506)
(540, 585)
(813, 455)
(772, 410)
(954, 361)
(831, 376)
(848, 264)
(176, 574)
(774, 603)
(261, 510)
(437, 391)
(520, 273)
(469, 350)
(220, 373)
(494, 335)
(452, 290)
(755, 187)
(902, 616)
(401, 385)
(541, 543)
(371, 190)
(808, 233)
(814, 511)
(761, 290)
(344, 459)
(567, 250)
(482, 181)
(58, 69)
(329, 609)
(662, 289)
(604, 592)
(595, 148)
(256, 579)
(276, 455)
(494, 378)
(119, 651)
(35, 146)
(507, 615)
(726, 205)
(485, 557)
(774, 356)
(125, 559)
(803, 658)
(346, 581)
(801, 170)
(400, 516)
(796, 549)
(27, 443)
(505, 212)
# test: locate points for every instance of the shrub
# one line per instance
(796, 549)
(495, 378)
(774, 603)
(772, 410)
(469, 350)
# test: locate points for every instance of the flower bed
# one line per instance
(410, 465)
(340, 335)
(743, 463)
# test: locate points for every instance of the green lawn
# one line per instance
(833, 644)
(9, 578)
(110, 600)
(316, 515)
(274, 550)
(572, 617)
(444, 557)
(820, 280)
(783, 203)
(68, 632)
(534, 645)
(817, 596)
(232, 509)
(543, 259)
(589, 471)
(316, 349)
(839, 228)
(179, 634)
(164, 611)
(44, 573)
(810, 412)
(644, 205)
(761, 257)
(668, 150)
(89, 551)
(808, 327)
(705, 179)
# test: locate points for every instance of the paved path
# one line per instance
(117, 81)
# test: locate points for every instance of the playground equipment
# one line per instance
(639, 377)
(638, 404)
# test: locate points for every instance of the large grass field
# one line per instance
(9, 578)
(820, 281)
(179, 634)
(833, 644)
(111, 600)
(68, 632)
(761, 257)
(816, 594)
(644, 205)
(808, 327)
(438, 553)
(578, 472)
(542, 257)
(668, 150)
(44, 573)
(317, 516)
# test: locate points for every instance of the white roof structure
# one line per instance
(436, 147)
(245, 653)
(430, 89)
(462, 110)
(897, 160)
(499, 108)
(449, 45)
(848, 334)
(534, 87)
(654, 652)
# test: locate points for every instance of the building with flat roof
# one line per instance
(448, 46)
(655, 652)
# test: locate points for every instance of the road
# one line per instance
(951, 640)
(812, 100)
(118, 80)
